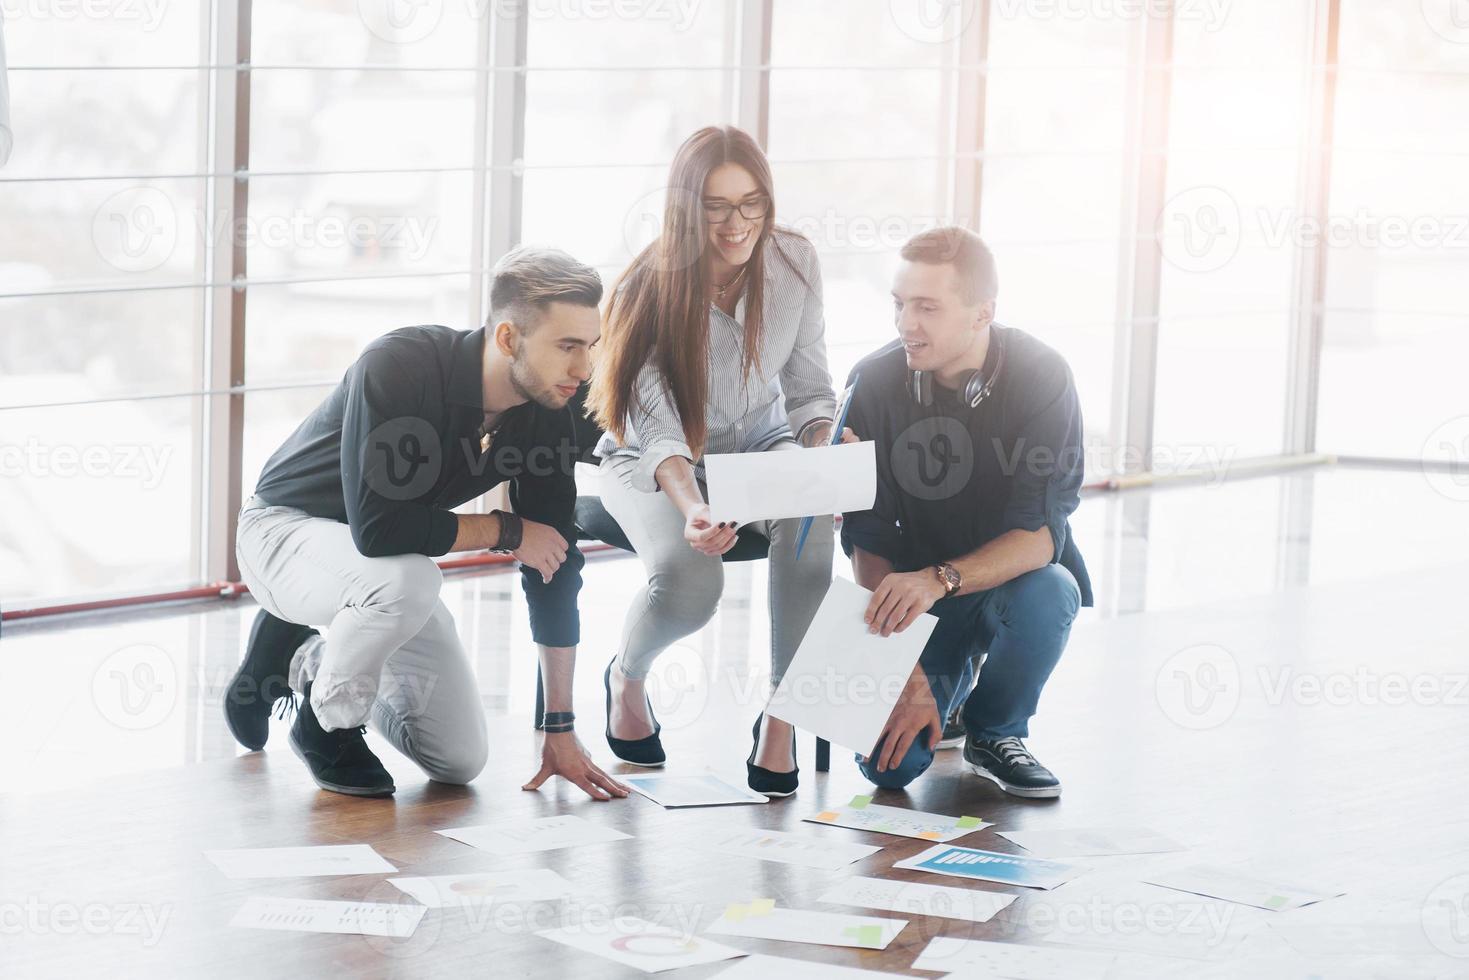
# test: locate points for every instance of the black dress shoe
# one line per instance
(1008, 764)
(339, 761)
(646, 751)
(261, 679)
(763, 780)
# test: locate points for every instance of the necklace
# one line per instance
(720, 291)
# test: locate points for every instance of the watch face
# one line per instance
(950, 576)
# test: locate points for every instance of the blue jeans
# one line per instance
(1023, 625)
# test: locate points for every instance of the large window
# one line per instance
(395, 149)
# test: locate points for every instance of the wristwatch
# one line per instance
(949, 576)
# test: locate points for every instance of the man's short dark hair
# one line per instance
(528, 280)
(965, 251)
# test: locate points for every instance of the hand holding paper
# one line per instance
(746, 487)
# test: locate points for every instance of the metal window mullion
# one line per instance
(1140, 266)
(1303, 352)
(752, 76)
(224, 347)
(971, 47)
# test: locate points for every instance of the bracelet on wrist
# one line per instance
(511, 531)
(556, 722)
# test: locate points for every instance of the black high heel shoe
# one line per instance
(763, 780)
(647, 751)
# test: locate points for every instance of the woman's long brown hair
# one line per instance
(659, 308)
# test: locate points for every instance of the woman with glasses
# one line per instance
(714, 342)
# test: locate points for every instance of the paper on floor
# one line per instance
(1007, 869)
(1011, 961)
(318, 915)
(1236, 886)
(968, 904)
(843, 681)
(299, 862)
(485, 887)
(779, 968)
(695, 789)
(760, 919)
(536, 834)
(823, 481)
(862, 814)
(775, 845)
(1091, 841)
(636, 943)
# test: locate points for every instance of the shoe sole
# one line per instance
(640, 765)
(335, 788)
(1043, 793)
(775, 796)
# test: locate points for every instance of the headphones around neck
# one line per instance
(975, 387)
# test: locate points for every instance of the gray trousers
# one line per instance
(391, 656)
(684, 586)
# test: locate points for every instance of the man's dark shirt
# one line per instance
(397, 444)
(951, 478)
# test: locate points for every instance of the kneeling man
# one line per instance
(349, 512)
(979, 464)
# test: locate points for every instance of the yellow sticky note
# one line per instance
(930, 835)
(826, 815)
(756, 908)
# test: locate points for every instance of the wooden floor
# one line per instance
(1265, 730)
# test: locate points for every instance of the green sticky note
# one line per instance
(859, 802)
(870, 936)
(968, 823)
(1276, 901)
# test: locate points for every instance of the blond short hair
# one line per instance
(965, 251)
(527, 280)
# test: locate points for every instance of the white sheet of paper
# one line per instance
(485, 887)
(640, 944)
(775, 845)
(319, 915)
(761, 967)
(537, 834)
(1240, 887)
(1011, 961)
(862, 814)
(968, 904)
(760, 919)
(696, 789)
(824, 481)
(843, 681)
(1091, 841)
(300, 862)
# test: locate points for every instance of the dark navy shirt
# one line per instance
(951, 478)
(397, 444)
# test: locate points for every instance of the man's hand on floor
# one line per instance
(562, 754)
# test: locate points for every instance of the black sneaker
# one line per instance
(261, 679)
(954, 734)
(1009, 765)
(339, 761)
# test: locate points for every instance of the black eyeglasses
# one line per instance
(719, 212)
